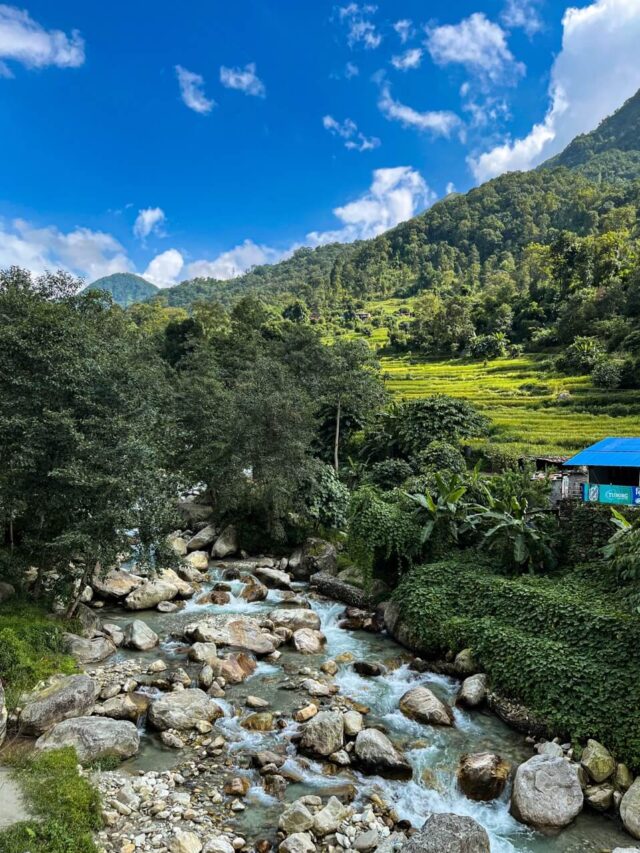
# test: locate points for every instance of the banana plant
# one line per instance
(443, 510)
(623, 547)
(513, 531)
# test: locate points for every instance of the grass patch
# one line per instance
(65, 803)
(31, 647)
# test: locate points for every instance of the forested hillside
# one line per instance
(125, 288)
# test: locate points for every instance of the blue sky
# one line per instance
(200, 138)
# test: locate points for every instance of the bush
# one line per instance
(581, 356)
(561, 647)
(441, 456)
(389, 473)
(607, 374)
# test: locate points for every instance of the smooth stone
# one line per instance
(93, 738)
(66, 697)
(546, 793)
(449, 833)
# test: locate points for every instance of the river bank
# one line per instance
(227, 776)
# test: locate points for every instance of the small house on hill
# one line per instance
(613, 467)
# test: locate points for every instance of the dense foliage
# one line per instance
(125, 288)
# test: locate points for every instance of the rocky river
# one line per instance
(261, 716)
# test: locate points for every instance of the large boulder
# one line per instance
(150, 594)
(183, 709)
(114, 583)
(198, 560)
(241, 633)
(328, 819)
(299, 842)
(254, 590)
(546, 793)
(7, 591)
(193, 512)
(236, 668)
(377, 755)
(317, 555)
(226, 544)
(3, 715)
(307, 641)
(185, 590)
(482, 776)
(203, 539)
(138, 635)
(273, 577)
(323, 734)
(473, 692)
(597, 761)
(294, 618)
(449, 833)
(86, 650)
(70, 696)
(295, 818)
(93, 738)
(630, 809)
(177, 544)
(422, 705)
(203, 653)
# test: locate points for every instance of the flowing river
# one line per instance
(433, 751)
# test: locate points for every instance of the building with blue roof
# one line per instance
(613, 467)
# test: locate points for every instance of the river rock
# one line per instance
(317, 555)
(177, 544)
(203, 539)
(254, 591)
(183, 709)
(546, 793)
(218, 845)
(449, 833)
(316, 688)
(623, 778)
(378, 755)
(273, 577)
(88, 650)
(323, 734)
(370, 668)
(138, 635)
(482, 776)
(306, 713)
(599, 797)
(69, 696)
(3, 715)
(226, 544)
(307, 641)
(295, 818)
(150, 594)
(465, 663)
(597, 761)
(473, 692)
(328, 819)
(203, 653)
(295, 618)
(185, 842)
(241, 633)
(630, 809)
(237, 667)
(299, 842)
(113, 632)
(93, 738)
(121, 707)
(114, 583)
(198, 560)
(185, 590)
(353, 723)
(422, 705)
(258, 722)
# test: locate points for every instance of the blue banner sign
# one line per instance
(627, 495)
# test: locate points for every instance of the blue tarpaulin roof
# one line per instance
(610, 453)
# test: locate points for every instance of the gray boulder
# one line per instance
(328, 819)
(183, 709)
(203, 539)
(114, 583)
(226, 544)
(307, 641)
(449, 833)
(482, 776)
(254, 590)
(377, 755)
(546, 793)
(294, 618)
(299, 842)
(88, 650)
(597, 761)
(473, 692)
(630, 809)
(323, 734)
(93, 738)
(295, 818)
(70, 696)
(317, 555)
(138, 635)
(273, 577)
(150, 594)
(422, 705)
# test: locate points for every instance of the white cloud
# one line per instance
(244, 79)
(354, 140)
(409, 59)
(522, 14)
(450, 188)
(83, 252)
(438, 122)
(351, 70)
(395, 195)
(192, 91)
(594, 73)
(235, 261)
(165, 268)
(147, 221)
(24, 40)
(360, 28)
(479, 45)
(404, 29)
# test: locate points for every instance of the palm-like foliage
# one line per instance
(444, 511)
(514, 531)
(623, 547)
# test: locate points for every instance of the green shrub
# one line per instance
(563, 648)
(67, 806)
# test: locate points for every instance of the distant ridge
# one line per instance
(125, 288)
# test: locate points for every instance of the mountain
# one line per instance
(125, 288)
(611, 152)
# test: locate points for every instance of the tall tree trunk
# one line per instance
(75, 600)
(336, 443)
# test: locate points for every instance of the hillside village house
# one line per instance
(613, 471)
